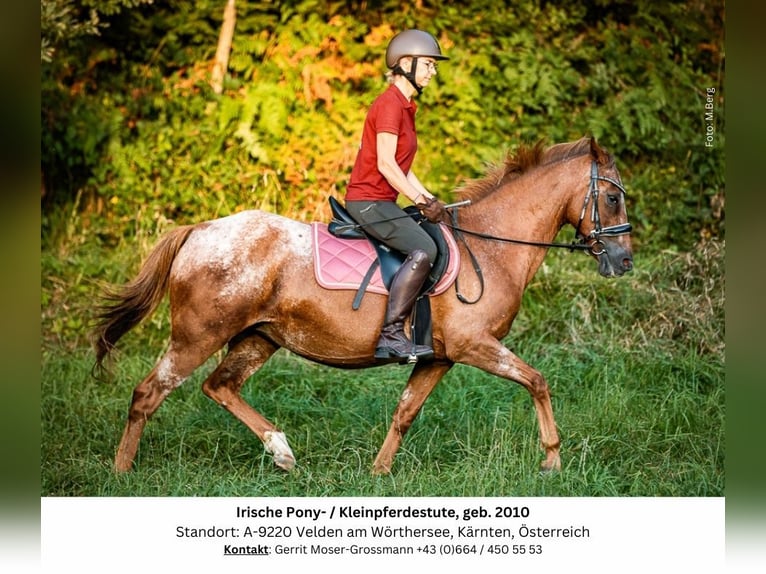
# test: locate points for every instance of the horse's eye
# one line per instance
(612, 200)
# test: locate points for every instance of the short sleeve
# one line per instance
(389, 116)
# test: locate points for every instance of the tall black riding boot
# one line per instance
(405, 286)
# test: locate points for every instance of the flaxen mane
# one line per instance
(516, 164)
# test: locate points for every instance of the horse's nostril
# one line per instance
(627, 263)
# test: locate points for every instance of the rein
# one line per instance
(458, 233)
(571, 246)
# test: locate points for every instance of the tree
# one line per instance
(224, 46)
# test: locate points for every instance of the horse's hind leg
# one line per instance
(422, 381)
(172, 370)
(245, 356)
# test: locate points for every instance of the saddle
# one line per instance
(345, 257)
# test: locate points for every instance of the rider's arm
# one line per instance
(408, 185)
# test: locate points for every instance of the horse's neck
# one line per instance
(532, 209)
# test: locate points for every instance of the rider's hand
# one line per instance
(433, 209)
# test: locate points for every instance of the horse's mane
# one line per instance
(520, 162)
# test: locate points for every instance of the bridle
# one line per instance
(598, 232)
(591, 242)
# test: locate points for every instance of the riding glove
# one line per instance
(433, 209)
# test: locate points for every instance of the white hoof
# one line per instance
(276, 444)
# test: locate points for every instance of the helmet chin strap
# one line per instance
(411, 74)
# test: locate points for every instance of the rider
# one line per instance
(382, 171)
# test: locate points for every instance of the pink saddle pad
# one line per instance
(343, 263)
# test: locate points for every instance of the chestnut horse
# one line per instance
(246, 281)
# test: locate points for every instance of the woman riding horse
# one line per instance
(382, 171)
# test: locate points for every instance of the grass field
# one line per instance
(635, 365)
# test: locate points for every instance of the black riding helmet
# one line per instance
(413, 43)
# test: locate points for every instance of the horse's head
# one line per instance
(603, 223)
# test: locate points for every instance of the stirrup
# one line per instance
(412, 358)
(387, 354)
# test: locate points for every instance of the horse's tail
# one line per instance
(126, 306)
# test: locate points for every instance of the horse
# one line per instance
(246, 282)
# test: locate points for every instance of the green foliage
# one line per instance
(130, 124)
(62, 21)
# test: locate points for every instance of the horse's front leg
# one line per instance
(491, 356)
(422, 381)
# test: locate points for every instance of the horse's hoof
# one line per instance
(122, 464)
(276, 443)
(550, 466)
(284, 461)
(379, 468)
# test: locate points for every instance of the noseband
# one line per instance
(598, 232)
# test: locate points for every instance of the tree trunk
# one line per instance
(224, 47)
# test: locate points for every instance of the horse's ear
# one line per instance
(597, 152)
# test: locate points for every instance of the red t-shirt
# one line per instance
(391, 112)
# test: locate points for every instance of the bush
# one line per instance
(132, 127)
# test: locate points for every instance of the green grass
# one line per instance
(635, 366)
